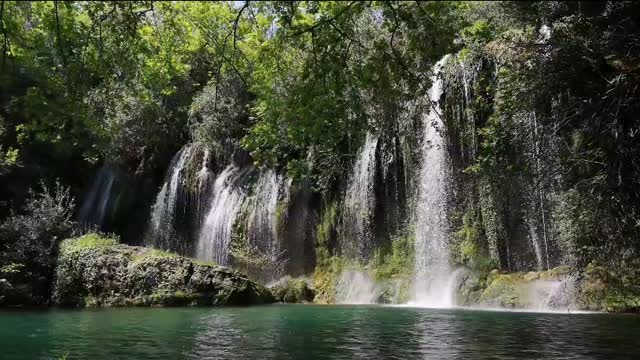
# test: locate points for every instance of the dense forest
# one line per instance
(327, 141)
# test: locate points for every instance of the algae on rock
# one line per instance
(94, 271)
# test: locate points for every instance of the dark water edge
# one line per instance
(314, 332)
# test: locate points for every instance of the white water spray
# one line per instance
(356, 287)
(359, 201)
(95, 206)
(163, 212)
(434, 279)
(262, 225)
(227, 199)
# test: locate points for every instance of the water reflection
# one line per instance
(307, 332)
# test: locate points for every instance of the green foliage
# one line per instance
(331, 72)
(611, 288)
(325, 232)
(396, 261)
(577, 230)
(477, 35)
(30, 240)
(468, 248)
(325, 278)
(12, 268)
(219, 114)
(88, 241)
(292, 291)
(32, 237)
(298, 86)
(9, 157)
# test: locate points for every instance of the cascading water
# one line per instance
(164, 210)
(262, 226)
(243, 198)
(433, 283)
(359, 202)
(96, 205)
(227, 199)
(204, 179)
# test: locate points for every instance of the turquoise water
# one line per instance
(314, 331)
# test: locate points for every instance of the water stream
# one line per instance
(359, 203)
(163, 212)
(227, 199)
(434, 278)
(99, 200)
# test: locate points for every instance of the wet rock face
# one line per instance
(109, 274)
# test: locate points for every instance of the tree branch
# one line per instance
(235, 23)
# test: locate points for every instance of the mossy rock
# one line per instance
(293, 291)
(396, 290)
(603, 289)
(504, 290)
(510, 290)
(472, 285)
(94, 271)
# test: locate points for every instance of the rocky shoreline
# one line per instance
(94, 271)
(97, 271)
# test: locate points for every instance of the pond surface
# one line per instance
(314, 332)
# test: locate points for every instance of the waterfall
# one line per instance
(359, 202)
(433, 283)
(99, 199)
(356, 287)
(163, 213)
(246, 202)
(204, 178)
(227, 199)
(263, 218)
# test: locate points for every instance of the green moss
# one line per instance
(149, 254)
(464, 54)
(293, 291)
(326, 226)
(393, 268)
(88, 241)
(281, 211)
(390, 267)
(612, 289)
(325, 278)
(328, 267)
(204, 263)
(101, 273)
(397, 261)
(467, 247)
(504, 290)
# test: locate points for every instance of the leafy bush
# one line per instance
(219, 114)
(135, 126)
(8, 157)
(30, 239)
